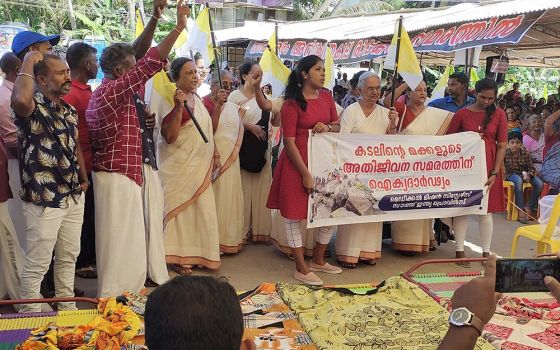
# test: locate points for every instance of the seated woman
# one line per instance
(186, 164)
(416, 236)
(550, 171)
(363, 241)
(533, 141)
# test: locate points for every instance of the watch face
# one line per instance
(460, 316)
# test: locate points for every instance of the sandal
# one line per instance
(370, 262)
(347, 265)
(87, 272)
(433, 243)
(183, 270)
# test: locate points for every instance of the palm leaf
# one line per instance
(360, 8)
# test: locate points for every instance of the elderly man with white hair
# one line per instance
(363, 241)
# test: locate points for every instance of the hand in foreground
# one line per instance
(553, 284)
(490, 182)
(33, 57)
(159, 6)
(256, 79)
(222, 96)
(183, 11)
(308, 183)
(150, 118)
(258, 132)
(320, 127)
(180, 98)
(478, 295)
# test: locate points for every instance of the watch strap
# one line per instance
(476, 323)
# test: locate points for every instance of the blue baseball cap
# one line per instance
(23, 40)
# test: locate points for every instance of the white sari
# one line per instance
(257, 217)
(415, 235)
(227, 184)
(361, 241)
(190, 222)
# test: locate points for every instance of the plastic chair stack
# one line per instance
(534, 232)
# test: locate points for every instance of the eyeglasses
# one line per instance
(202, 71)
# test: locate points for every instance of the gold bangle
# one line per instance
(26, 75)
(154, 17)
(177, 30)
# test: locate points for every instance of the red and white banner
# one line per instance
(495, 30)
(372, 178)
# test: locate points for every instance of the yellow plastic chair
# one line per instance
(511, 210)
(533, 232)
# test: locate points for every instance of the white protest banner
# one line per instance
(362, 178)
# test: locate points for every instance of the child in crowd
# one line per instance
(513, 122)
(520, 169)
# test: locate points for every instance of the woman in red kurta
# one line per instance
(306, 107)
(491, 123)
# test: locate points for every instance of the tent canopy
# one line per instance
(538, 47)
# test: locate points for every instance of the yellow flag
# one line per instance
(159, 95)
(439, 90)
(200, 39)
(474, 76)
(408, 66)
(275, 72)
(329, 68)
(139, 24)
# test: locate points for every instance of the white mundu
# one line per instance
(257, 217)
(185, 171)
(361, 241)
(415, 235)
(227, 185)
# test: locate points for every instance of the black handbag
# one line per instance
(252, 154)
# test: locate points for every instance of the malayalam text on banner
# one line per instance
(362, 178)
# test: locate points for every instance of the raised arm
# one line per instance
(221, 100)
(255, 80)
(24, 86)
(144, 41)
(164, 48)
(171, 123)
(398, 92)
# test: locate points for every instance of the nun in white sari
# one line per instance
(363, 241)
(186, 164)
(228, 135)
(414, 236)
(257, 217)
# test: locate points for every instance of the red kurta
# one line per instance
(496, 132)
(287, 192)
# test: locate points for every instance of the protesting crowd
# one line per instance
(126, 181)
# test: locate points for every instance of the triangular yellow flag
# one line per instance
(329, 68)
(439, 90)
(139, 24)
(408, 66)
(159, 95)
(275, 72)
(200, 39)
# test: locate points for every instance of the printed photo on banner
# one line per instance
(362, 178)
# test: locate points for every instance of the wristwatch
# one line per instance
(462, 317)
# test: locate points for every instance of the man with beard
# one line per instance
(53, 176)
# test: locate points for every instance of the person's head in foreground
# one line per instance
(52, 76)
(195, 312)
(457, 85)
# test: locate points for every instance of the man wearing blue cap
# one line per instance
(32, 41)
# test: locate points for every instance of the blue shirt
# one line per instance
(447, 103)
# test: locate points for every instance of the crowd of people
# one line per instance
(106, 188)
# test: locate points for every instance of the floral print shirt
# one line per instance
(47, 153)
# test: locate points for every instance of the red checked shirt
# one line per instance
(113, 123)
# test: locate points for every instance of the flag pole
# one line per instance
(396, 71)
(276, 38)
(217, 65)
